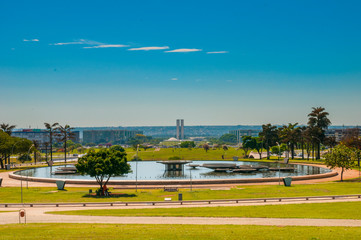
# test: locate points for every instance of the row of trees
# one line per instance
(10, 145)
(308, 137)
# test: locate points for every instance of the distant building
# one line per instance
(340, 133)
(244, 132)
(180, 129)
(39, 135)
(108, 136)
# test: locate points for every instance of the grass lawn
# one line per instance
(167, 232)
(51, 194)
(337, 210)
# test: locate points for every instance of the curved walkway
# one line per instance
(38, 215)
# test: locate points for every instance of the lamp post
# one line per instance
(27, 172)
(279, 172)
(136, 171)
(190, 177)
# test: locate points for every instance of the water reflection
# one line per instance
(150, 170)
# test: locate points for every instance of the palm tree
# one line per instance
(36, 147)
(65, 133)
(7, 128)
(290, 135)
(318, 122)
(51, 130)
(269, 136)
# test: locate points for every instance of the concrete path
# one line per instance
(38, 215)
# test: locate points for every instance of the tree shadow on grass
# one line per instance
(112, 195)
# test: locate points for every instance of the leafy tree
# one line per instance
(205, 147)
(11, 145)
(352, 139)
(342, 157)
(269, 136)
(228, 138)
(258, 145)
(318, 123)
(50, 128)
(7, 128)
(187, 144)
(5, 147)
(246, 145)
(279, 150)
(64, 133)
(331, 142)
(104, 164)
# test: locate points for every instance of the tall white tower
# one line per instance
(180, 129)
(178, 124)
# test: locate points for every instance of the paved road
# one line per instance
(38, 215)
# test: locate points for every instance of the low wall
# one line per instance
(173, 182)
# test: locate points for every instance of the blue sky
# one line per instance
(130, 63)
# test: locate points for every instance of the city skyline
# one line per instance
(148, 63)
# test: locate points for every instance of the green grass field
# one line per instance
(337, 210)
(51, 194)
(169, 232)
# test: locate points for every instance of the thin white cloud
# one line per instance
(148, 48)
(174, 79)
(31, 40)
(79, 42)
(185, 50)
(217, 52)
(108, 46)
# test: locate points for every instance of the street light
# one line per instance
(279, 172)
(27, 172)
(190, 177)
(136, 171)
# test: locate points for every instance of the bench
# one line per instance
(170, 189)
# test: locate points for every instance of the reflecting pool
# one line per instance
(151, 170)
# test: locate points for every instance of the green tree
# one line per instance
(6, 143)
(64, 133)
(279, 150)
(248, 143)
(318, 123)
(11, 145)
(269, 136)
(187, 144)
(50, 128)
(258, 145)
(228, 138)
(104, 164)
(342, 157)
(8, 129)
